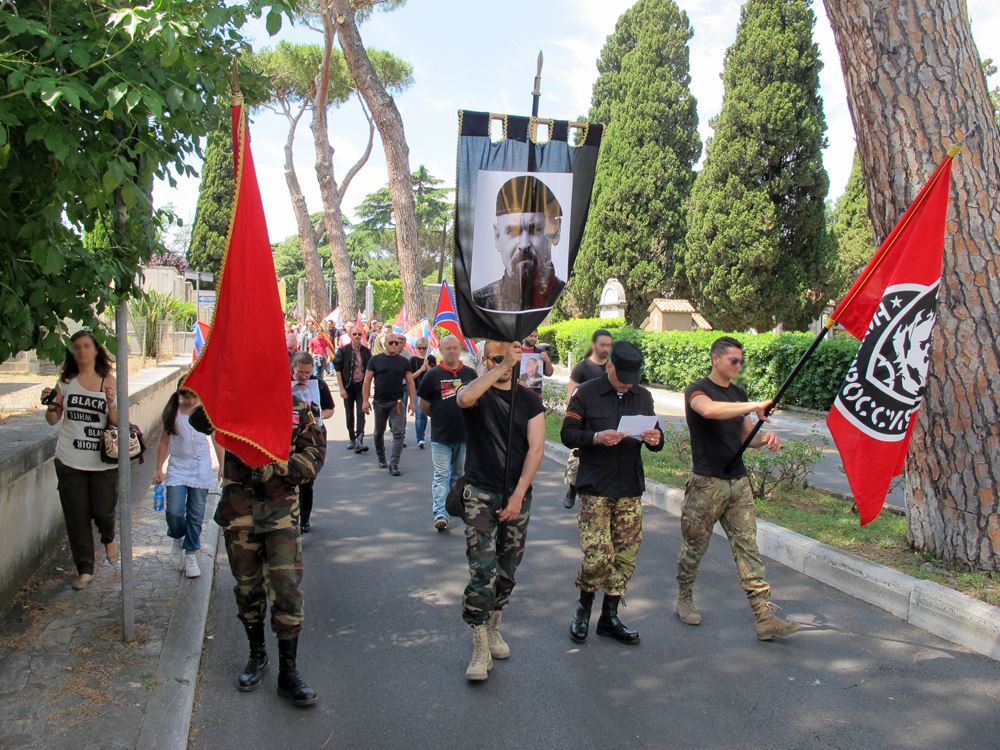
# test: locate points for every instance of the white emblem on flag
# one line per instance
(885, 383)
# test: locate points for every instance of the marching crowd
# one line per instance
(484, 463)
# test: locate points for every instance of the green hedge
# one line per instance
(674, 359)
(574, 335)
(387, 298)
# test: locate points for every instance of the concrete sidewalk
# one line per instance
(827, 475)
(66, 678)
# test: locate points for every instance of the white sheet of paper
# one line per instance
(636, 425)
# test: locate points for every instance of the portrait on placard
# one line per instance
(531, 371)
(520, 249)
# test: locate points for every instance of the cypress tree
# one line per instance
(215, 203)
(758, 250)
(852, 230)
(636, 227)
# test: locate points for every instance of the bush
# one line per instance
(573, 336)
(788, 467)
(387, 298)
(675, 359)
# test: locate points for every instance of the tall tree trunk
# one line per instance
(328, 189)
(915, 85)
(397, 155)
(316, 299)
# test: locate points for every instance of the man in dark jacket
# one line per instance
(259, 515)
(350, 364)
(610, 482)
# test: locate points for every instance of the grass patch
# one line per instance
(831, 520)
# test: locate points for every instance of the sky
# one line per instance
(479, 56)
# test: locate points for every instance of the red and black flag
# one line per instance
(521, 206)
(892, 308)
(243, 383)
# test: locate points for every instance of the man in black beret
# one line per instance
(528, 225)
(610, 483)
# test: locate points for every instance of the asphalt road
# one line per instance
(385, 647)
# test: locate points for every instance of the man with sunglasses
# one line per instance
(495, 530)
(718, 418)
(420, 364)
(350, 363)
(390, 372)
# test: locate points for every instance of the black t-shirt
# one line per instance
(714, 442)
(439, 387)
(486, 438)
(586, 370)
(390, 376)
(415, 364)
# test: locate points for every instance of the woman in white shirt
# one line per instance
(189, 476)
(88, 487)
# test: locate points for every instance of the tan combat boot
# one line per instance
(498, 646)
(481, 662)
(686, 610)
(769, 626)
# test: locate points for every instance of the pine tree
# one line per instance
(215, 203)
(852, 230)
(758, 250)
(645, 170)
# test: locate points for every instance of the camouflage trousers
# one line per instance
(572, 467)
(610, 535)
(491, 572)
(730, 502)
(265, 556)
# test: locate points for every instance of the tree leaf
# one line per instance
(273, 22)
(132, 99)
(170, 56)
(80, 55)
(115, 93)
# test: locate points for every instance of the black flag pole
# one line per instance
(827, 327)
(536, 94)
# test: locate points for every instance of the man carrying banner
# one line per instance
(717, 412)
(495, 531)
(259, 515)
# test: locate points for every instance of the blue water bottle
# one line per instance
(158, 495)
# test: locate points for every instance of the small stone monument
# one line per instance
(612, 304)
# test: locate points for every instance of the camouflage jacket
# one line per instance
(241, 485)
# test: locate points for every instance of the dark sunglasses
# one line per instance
(393, 343)
(421, 348)
(498, 360)
(356, 335)
(735, 361)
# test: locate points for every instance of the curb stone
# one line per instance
(167, 721)
(927, 605)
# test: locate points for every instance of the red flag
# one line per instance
(892, 308)
(446, 316)
(244, 389)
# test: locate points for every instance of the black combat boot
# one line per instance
(257, 663)
(570, 500)
(580, 626)
(611, 626)
(359, 445)
(290, 682)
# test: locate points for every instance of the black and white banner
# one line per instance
(519, 220)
